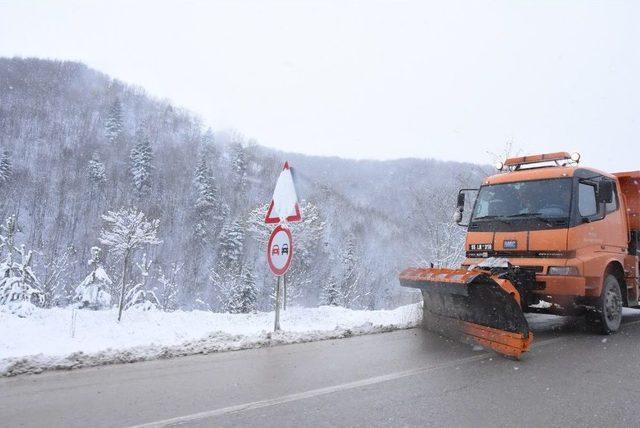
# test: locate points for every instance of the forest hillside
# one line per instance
(83, 154)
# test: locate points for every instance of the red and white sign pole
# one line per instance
(284, 208)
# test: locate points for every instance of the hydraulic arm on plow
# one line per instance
(555, 238)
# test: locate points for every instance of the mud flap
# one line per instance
(472, 306)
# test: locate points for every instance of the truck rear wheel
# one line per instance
(607, 315)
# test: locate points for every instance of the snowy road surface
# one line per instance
(402, 378)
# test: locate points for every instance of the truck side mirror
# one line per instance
(457, 216)
(605, 191)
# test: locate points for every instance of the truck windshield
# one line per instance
(542, 199)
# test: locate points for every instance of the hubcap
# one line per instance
(612, 306)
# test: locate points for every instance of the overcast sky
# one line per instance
(369, 79)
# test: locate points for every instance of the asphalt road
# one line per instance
(405, 378)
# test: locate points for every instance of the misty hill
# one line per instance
(79, 144)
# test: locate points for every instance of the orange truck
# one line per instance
(544, 235)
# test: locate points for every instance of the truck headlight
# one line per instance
(563, 270)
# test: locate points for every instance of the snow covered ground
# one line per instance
(44, 340)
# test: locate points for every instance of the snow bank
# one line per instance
(44, 341)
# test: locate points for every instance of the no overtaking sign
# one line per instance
(280, 250)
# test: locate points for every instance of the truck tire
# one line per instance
(607, 315)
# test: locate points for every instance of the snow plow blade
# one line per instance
(472, 306)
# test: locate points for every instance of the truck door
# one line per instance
(615, 233)
(598, 232)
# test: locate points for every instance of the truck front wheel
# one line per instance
(607, 314)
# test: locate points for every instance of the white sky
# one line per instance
(369, 79)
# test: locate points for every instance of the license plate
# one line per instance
(480, 247)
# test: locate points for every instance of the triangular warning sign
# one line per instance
(285, 200)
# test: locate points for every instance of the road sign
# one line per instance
(280, 250)
(284, 204)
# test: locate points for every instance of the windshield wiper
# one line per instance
(524, 215)
(500, 218)
(537, 216)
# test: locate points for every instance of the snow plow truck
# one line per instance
(543, 235)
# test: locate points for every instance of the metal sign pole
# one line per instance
(276, 325)
(284, 292)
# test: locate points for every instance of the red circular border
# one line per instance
(285, 268)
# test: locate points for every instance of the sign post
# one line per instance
(284, 292)
(283, 209)
(276, 323)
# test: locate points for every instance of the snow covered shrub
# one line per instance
(92, 292)
(139, 297)
(168, 292)
(19, 287)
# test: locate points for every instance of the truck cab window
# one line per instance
(587, 204)
(613, 205)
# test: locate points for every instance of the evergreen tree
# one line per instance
(331, 295)
(19, 286)
(113, 126)
(226, 276)
(93, 291)
(239, 167)
(97, 172)
(248, 293)
(207, 138)
(141, 157)
(208, 211)
(6, 169)
(231, 247)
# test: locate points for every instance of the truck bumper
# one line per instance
(556, 285)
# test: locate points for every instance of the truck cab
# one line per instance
(570, 232)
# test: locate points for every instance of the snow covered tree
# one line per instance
(208, 209)
(141, 157)
(168, 292)
(227, 290)
(351, 289)
(97, 172)
(226, 276)
(5, 168)
(93, 292)
(248, 293)
(54, 285)
(236, 293)
(113, 126)
(207, 138)
(19, 287)
(331, 295)
(206, 215)
(126, 231)
(256, 225)
(231, 247)
(239, 167)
